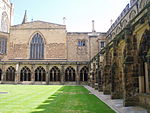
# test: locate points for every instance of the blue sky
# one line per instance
(79, 13)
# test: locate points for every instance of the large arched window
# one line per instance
(55, 74)
(10, 74)
(37, 47)
(84, 74)
(25, 74)
(0, 74)
(5, 22)
(40, 74)
(70, 74)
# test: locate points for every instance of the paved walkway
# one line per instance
(116, 104)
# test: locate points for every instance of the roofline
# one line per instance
(84, 32)
(37, 21)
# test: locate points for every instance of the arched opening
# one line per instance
(0, 74)
(5, 22)
(84, 74)
(25, 74)
(55, 74)
(37, 47)
(144, 53)
(70, 74)
(40, 74)
(10, 74)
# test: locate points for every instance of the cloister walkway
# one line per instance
(115, 104)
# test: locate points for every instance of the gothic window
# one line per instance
(84, 74)
(3, 45)
(55, 74)
(70, 74)
(37, 47)
(5, 22)
(25, 74)
(0, 74)
(40, 74)
(10, 74)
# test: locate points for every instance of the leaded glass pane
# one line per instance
(37, 47)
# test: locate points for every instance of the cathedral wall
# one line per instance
(75, 51)
(20, 38)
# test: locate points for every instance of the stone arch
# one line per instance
(10, 74)
(34, 33)
(144, 59)
(118, 29)
(142, 3)
(40, 74)
(1, 74)
(132, 14)
(124, 23)
(84, 74)
(55, 74)
(113, 34)
(25, 74)
(70, 74)
(144, 45)
(37, 47)
(5, 22)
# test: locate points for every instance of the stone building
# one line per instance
(122, 68)
(41, 52)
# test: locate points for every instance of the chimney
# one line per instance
(93, 27)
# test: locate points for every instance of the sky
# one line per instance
(78, 13)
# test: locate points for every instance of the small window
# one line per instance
(102, 44)
(3, 45)
(81, 43)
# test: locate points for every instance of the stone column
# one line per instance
(47, 74)
(106, 80)
(62, 74)
(3, 79)
(17, 73)
(33, 74)
(116, 93)
(106, 73)
(130, 89)
(146, 77)
(100, 83)
(77, 75)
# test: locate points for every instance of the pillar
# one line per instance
(130, 77)
(116, 93)
(33, 74)
(62, 74)
(146, 78)
(47, 75)
(77, 75)
(106, 80)
(17, 73)
(3, 79)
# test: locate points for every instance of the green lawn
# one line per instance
(49, 99)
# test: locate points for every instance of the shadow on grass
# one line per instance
(55, 102)
(72, 99)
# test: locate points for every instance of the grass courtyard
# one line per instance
(49, 99)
